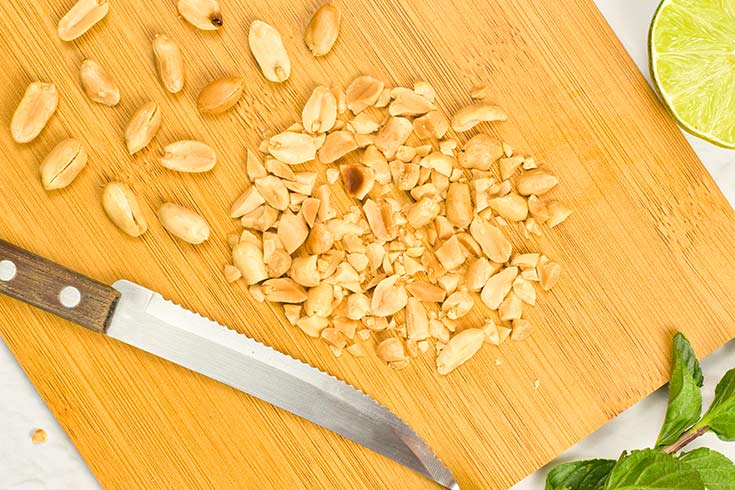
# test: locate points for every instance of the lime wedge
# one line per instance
(692, 54)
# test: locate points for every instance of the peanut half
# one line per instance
(98, 84)
(323, 28)
(38, 104)
(481, 151)
(246, 203)
(493, 242)
(470, 116)
(394, 134)
(170, 63)
(406, 102)
(363, 92)
(267, 48)
(320, 111)
(123, 209)
(248, 258)
(292, 148)
(220, 95)
(536, 182)
(189, 156)
(202, 14)
(62, 165)
(459, 350)
(285, 290)
(336, 145)
(183, 223)
(274, 191)
(81, 18)
(388, 298)
(497, 287)
(142, 127)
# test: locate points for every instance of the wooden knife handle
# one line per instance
(56, 289)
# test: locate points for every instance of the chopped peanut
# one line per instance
(426, 232)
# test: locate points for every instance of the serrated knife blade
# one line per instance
(144, 319)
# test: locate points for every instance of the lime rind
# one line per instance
(692, 60)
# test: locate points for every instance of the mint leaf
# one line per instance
(580, 475)
(685, 399)
(684, 348)
(716, 470)
(720, 417)
(649, 469)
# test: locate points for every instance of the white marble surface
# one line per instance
(56, 465)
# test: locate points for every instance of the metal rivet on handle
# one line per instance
(70, 297)
(7, 270)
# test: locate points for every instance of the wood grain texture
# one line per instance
(648, 251)
(39, 282)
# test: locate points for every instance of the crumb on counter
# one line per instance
(39, 436)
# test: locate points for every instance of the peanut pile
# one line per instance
(425, 240)
(406, 262)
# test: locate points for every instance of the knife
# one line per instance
(144, 319)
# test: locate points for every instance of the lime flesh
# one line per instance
(692, 54)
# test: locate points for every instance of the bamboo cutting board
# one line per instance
(648, 251)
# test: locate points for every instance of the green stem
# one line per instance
(685, 439)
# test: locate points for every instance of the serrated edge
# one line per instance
(438, 471)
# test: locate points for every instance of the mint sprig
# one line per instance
(649, 469)
(663, 467)
(580, 475)
(720, 418)
(685, 399)
(715, 469)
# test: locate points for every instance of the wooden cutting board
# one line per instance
(648, 251)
